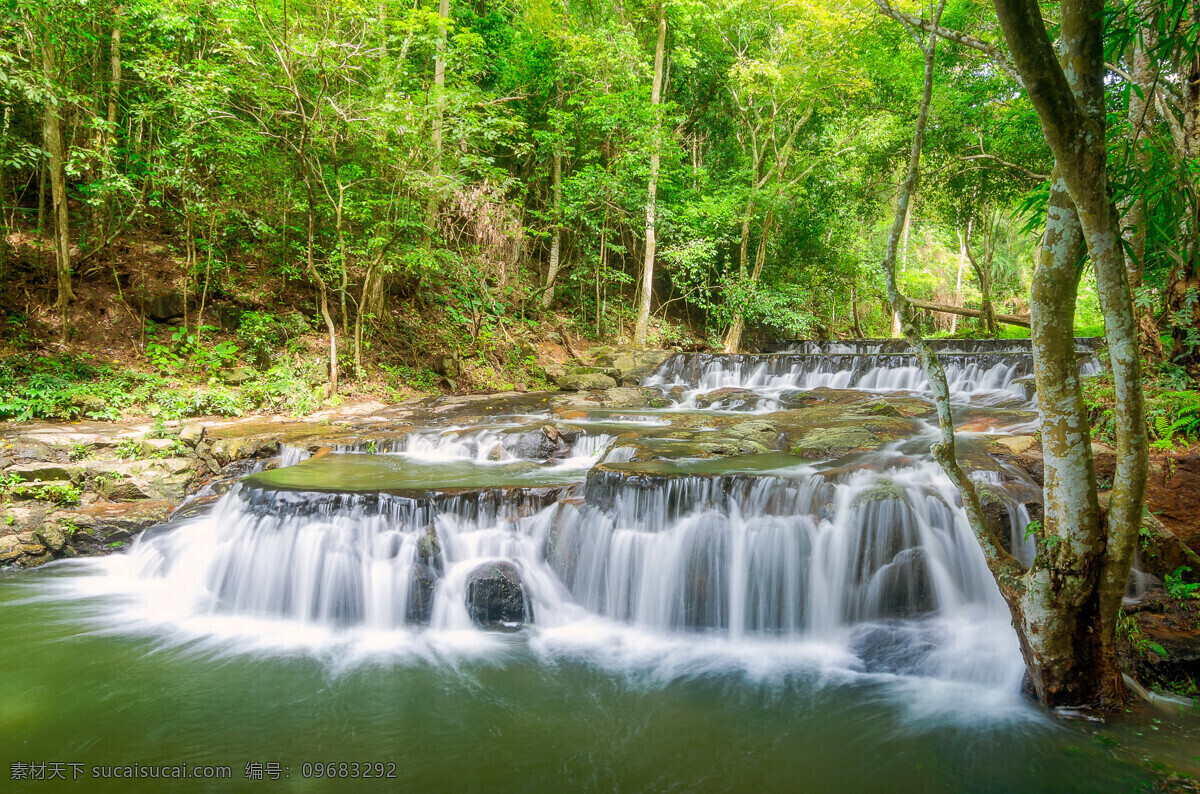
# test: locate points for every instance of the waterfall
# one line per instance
(562, 531)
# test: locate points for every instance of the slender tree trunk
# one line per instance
(1185, 279)
(556, 235)
(322, 288)
(962, 260)
(643, 318)
(53, 139)
(114, 94)
(733, 337)
(212, 231)
(983, 273)
(858, 332)
(439, 92)
(1006, 569)
(1141, 120)
(41, 211)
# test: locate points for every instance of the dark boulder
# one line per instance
(496, 597)
(904, 588)
(429, 550)
(419, 606)
(164, 306)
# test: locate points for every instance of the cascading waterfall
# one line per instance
(565, 532)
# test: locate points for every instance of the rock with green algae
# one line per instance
(834, 442)
(586, 381)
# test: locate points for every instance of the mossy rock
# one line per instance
(884, 489)
(833, 442)
(586, 381)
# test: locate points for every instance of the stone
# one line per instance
(230, 317)
(164, 306)
(834, 442)
(123, 490)
(586, 382)
(237, 376)
(496, 597)
(16, 551)
(730, 399)
(51, 536)
(904, 586)
(429, 550)
(422, 580)
(191, 433)
(43, 472)
(152, 447)
(447, 366)
(89, 403)
(1015, 444)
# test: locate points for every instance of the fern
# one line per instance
(1174, 415)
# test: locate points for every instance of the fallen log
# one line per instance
(1007, 319)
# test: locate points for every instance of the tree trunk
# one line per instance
(439, 91)
(1068, 616)
(556, 236)
(858, 333)
(1141, 119)
(322, 289)
(963, 311)
(1185, 279)
(643, 318)
(114, 93)
(983, 273)
(1059, 611)
(53, 140)
(733, 337)
(1005, 568)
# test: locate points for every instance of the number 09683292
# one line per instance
(348, 769)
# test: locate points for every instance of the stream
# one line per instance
(754, 578)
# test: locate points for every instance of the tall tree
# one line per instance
(56, 153)
(647, 285)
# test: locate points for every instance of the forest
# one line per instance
(417, 181)
(224, 207)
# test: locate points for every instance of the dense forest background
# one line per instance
(391, 197)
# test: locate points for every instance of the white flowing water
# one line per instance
(863, 566)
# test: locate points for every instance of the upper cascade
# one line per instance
(1083, 344)
(992, 370)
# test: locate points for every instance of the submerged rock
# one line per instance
(429, 550)
(903, 587)
(421, 583)
(496, 597)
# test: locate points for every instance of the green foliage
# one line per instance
(263, 332)
(81, 451)
(207, 401)
(129, 449)
(1033, 528)
(284, 388)
(1131, 632)
(59, 493)
(1177, 588)
(419, 379)
(184, 349)
(1174, 416)
(67, 388)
